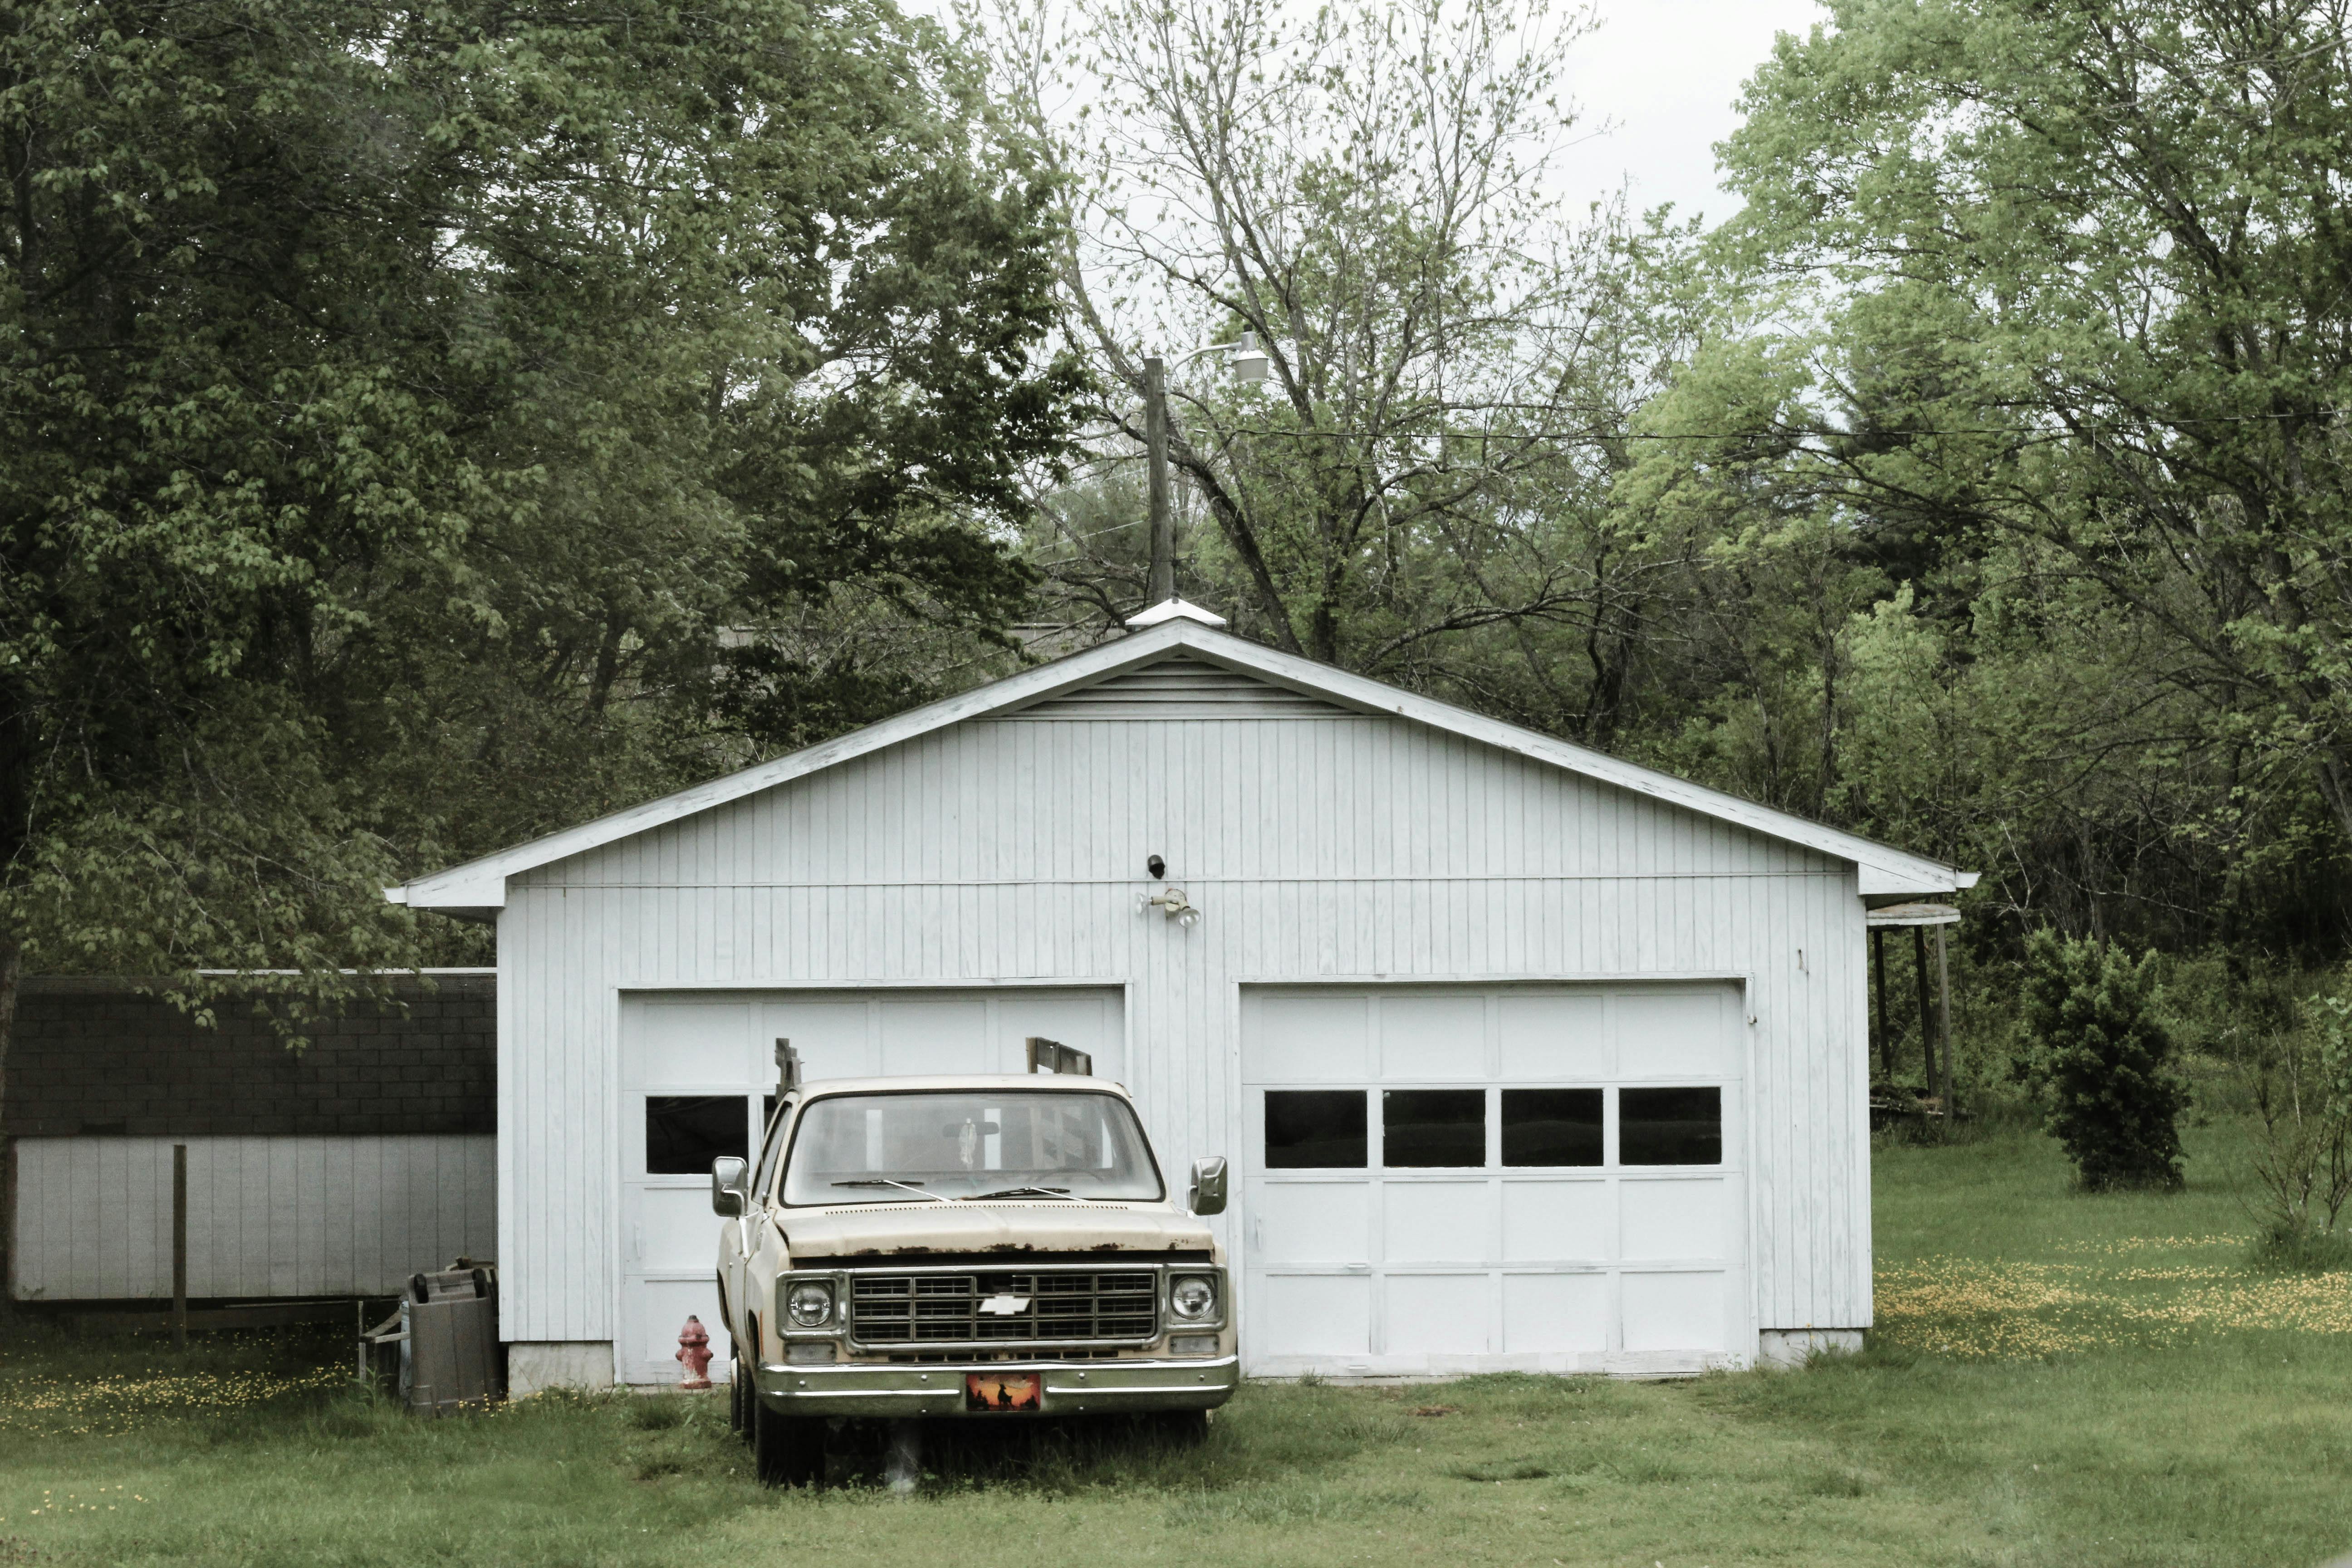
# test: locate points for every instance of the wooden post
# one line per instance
(1885, 1025)
(1162, 585)
(1926, 1023)
(179, 1247)
(1944, 1025)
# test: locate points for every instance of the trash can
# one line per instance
(447, 1332)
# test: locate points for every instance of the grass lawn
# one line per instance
(2057, 1379)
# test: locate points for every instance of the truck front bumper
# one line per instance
(1070, 1388)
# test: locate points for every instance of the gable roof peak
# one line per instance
(1172, 609)
(478, 887)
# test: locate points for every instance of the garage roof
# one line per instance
(478, 887)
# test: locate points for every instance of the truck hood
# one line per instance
(900, 1230)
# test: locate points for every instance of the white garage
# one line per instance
(1526, 1057)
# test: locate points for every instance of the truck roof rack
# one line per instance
(1052, 1055)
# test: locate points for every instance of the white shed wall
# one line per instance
(267, 1215)
(1342, 846)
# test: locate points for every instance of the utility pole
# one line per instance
(1161, 586)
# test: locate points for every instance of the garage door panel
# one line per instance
(928, 1036)
(1558, 1222)
(1314, 1314)
(1434, 1039)
(1314, 1222)
(1437, 1314)
(676, 1230)
(1561, 1038)
(835, 1039)
(690, 1042)
(1674, 1311)
(684, 1045)
(1600, 1226)
(1436, 1222)
(1312, 1039)
(1672, 1034)
(1674, 1219)
(1554, 1314)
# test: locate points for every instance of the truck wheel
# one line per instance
(735, 1392)
(786, 1450)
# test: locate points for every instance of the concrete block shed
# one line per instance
(1525, 1056)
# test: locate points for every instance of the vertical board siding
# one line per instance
(268, 1216)
(1351, 847)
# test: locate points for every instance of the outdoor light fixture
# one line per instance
(1172, 903)
(1248, 361)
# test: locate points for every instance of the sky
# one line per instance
(1663, 75)
(1667, 74)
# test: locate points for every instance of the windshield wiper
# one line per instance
(902, 1186)
(1021, 1193)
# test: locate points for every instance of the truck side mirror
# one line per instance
(1208, 1195)
(730, 1194)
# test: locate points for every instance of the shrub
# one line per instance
(2303, 1139)
(2098, 1045)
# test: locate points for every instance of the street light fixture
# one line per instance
(1247, 362)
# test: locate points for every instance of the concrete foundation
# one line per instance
(1795, 1347)
(534, 1366)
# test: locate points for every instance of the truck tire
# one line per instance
(737, 1386)
(786, 1450)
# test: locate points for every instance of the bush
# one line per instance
(2303, 1139)
(2098, 1045)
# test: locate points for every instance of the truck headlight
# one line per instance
(810, 1304)
(1195, 1296)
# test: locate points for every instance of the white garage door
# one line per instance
(1443, 1180)
(698, 1074)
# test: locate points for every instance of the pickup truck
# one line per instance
(982, 1248)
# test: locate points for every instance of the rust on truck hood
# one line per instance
(907, 1230)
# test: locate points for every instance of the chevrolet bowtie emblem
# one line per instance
(1005, 1305)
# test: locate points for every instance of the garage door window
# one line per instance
(1670, 1127)
(684, 1132)
(1552, 1126)
(1421, 1126)
(1315, 1130)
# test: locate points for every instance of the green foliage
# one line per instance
(2303, 1152)
(2101, 1049)
(425, 429)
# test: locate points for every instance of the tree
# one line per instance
(424, 428)
(2302, 1148)
(1418, 491)
(2100, 1048)
(2084, 265)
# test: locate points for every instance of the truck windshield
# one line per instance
(957, 1145)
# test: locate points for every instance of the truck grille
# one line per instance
(918, 1309)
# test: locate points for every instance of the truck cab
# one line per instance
(975, 1247)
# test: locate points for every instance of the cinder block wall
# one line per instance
(92, 1057)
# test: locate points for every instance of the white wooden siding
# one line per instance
(1337, 847)
(267, 1217)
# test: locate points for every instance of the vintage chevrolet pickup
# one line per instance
(982, 1247)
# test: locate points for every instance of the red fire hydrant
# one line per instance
(694, 1350)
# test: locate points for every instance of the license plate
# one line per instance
(1003, 1393)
